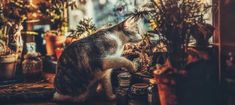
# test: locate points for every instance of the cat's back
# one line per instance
(88, 40)
(77, 65)
(97, 44)
(88, 52)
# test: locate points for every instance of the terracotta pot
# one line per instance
(8, 66)
(167, 94)
(53, 41)
(50, 43)
(166, 89)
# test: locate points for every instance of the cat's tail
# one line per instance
(65, 98)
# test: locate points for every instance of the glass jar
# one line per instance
(124, 80)
(32, 65)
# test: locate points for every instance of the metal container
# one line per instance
(139, 89)
(124, 80)
(153, 97)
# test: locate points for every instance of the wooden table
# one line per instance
(41, 93)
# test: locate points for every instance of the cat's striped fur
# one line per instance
(87, 62)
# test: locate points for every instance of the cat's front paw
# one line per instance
(133, 68)
(111, 97)
(99, 88)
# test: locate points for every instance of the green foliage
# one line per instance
(51, 12)
(16, 10)
(85, 26)
(178, 20)
(54, 11)
(12, 14)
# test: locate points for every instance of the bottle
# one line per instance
(153, 98)
(150, 95)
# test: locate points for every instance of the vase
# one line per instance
(59, 51)
(50, 43)
(54, 40)
(32, 66)
(8, 66)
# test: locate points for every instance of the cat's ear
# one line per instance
(130, 22)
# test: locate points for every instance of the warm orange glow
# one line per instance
(152, 81)
(34, 15)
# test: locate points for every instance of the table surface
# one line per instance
(40, 93)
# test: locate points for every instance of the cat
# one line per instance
(88, 62)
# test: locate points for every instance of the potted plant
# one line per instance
(85, 27)
(12, 14)
(8, 62)
(55, 13)
(177, 22)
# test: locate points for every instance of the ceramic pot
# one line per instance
(139, 89)
(54, 40)
(8, 66)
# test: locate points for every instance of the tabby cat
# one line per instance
(88, 62)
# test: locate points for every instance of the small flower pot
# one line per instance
(8, 66)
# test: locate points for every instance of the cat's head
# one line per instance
(131, 28)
